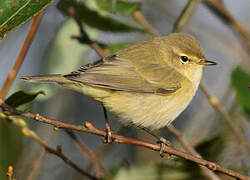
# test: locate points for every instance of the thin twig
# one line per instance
(138, 16)
(185, 14)
(58, 152)
(84, 37)
(217, 106)
(85, 150)
(26, 45)
(37, 164)
(89, 128)
(219, 9)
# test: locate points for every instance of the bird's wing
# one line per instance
(139, 75)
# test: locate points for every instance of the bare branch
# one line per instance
(217, 106)
(185, 14)
(84, 37)
(141, 19)
(85, 150)
(219, 9)
(89, 128)
(58, 152)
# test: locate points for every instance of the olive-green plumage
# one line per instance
(148, 83)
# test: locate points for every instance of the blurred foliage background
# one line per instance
(111, 23)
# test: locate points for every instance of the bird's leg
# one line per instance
(108, 138)
(162, 141)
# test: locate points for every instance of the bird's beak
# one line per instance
(206, 63)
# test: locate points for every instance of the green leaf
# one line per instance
(118, 6)
(93, 18)
(240, 81)
(20, 98)
(16, 12)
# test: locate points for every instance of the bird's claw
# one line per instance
(108, 137)
(163, 143)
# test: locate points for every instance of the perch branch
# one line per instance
(89, 128)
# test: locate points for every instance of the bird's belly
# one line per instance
(148, 110)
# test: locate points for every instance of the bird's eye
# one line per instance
(184, 59)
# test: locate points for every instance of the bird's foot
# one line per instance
(108, 136)
(163, 143)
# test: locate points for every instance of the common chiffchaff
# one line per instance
(147, 84)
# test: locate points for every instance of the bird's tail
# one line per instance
(46, 78)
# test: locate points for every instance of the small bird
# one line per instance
(147, 84)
